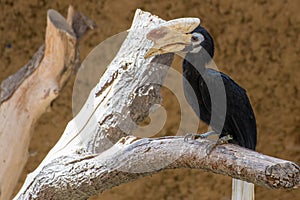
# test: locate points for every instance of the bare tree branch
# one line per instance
(25, 95)
(79, 176)
(96, 151)
(123, 97)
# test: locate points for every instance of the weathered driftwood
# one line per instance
(25, 95)
(79, 176)
(96, 152)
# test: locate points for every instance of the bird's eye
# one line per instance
(197, 38)
(194, 39)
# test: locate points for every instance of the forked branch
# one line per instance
(96, 151)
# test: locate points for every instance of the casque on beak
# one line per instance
(172, 36)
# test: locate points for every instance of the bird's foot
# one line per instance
(220, 141)
(194, 136)
(191, 136)
(205, 135)
(224, 139)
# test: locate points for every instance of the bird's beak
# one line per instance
(172, 36)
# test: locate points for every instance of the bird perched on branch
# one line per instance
(214, 96)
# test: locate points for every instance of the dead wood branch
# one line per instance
(96, 152)
(79, 176)
(25, 95)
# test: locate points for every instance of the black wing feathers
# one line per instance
(240, 121)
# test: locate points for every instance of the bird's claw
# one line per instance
(191, 136)
(220, 141)
(224, 139)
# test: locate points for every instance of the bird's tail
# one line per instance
(242, 190)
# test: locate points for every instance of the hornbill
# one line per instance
(214, 96)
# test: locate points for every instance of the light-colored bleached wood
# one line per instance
(122, 98)
(25, 95)
(79, 176)
(96, 152)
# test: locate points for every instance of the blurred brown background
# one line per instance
(257, 44)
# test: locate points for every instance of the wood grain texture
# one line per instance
(27, 94)
(81, 175)
(96, 151)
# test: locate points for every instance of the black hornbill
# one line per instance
(238, 120)
(206, 89)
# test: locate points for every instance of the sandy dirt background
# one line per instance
(257, 44)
